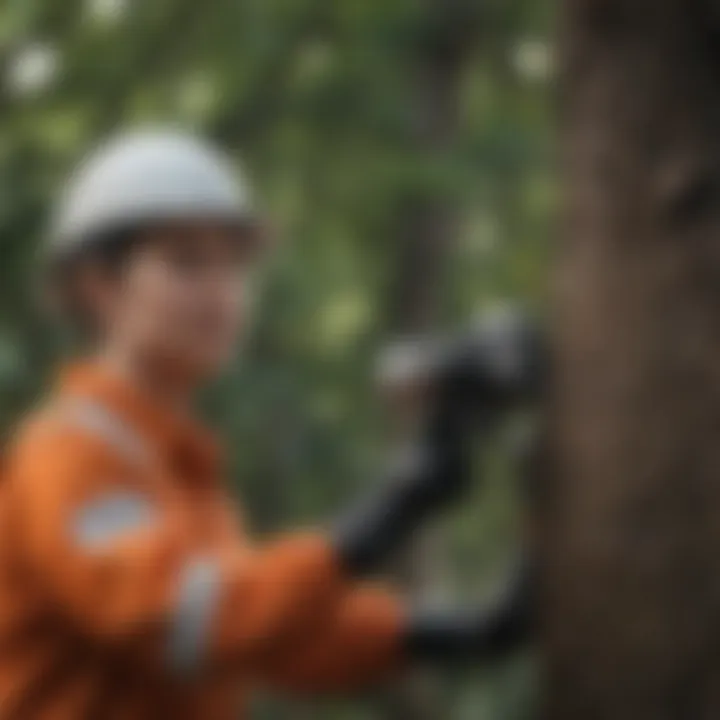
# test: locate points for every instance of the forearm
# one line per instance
(357, 643)
(418, 485)
(475, 379)
(371, 634)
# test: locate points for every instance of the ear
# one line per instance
(79, 295)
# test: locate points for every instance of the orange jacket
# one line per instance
(128, 588)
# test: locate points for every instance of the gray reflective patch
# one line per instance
(199, 589)
(107, 518)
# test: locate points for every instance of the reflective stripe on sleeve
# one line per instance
(198, 592)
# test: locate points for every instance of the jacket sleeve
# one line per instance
(359, 643)
(111, 557)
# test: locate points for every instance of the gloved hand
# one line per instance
(499, 363)
(485, 634)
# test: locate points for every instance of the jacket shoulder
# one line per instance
(61, 435)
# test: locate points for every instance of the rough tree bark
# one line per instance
(632, 529)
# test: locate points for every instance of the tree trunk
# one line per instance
(632, 530)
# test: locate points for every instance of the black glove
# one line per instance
(499, 363)
(422, 481)
(486, 634)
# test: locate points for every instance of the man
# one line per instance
(128, 586)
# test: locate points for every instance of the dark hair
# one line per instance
(109, 249)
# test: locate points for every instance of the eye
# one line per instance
(185, 252)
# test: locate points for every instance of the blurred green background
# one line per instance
(404, 151)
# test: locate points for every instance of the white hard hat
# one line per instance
(144, 177)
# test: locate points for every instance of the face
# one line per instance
(180, 299)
